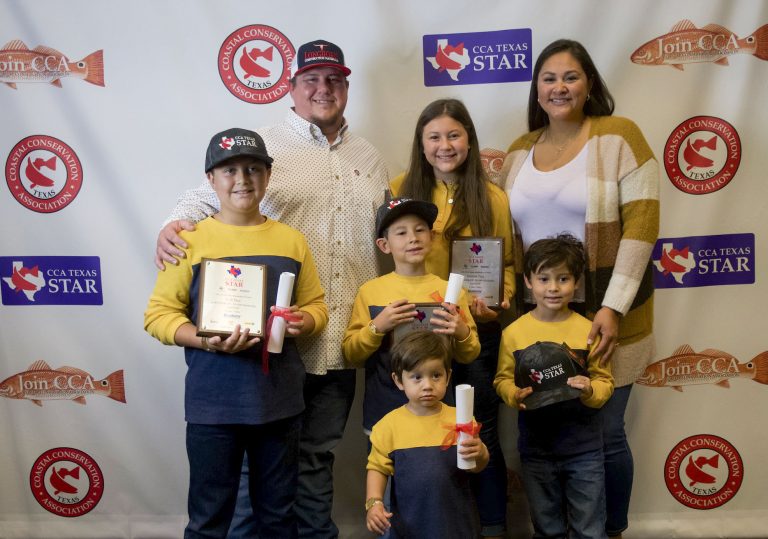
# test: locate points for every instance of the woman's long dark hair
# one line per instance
(600, 102)
(471, 204)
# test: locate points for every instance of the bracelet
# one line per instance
(374, 330)
(206, 347)
(370, 502)
(465, 339)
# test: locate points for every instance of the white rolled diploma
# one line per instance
(453, 291)
(277, 332)
(465, 403)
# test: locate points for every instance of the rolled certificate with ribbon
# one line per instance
(453, 292)
(277, 331)
(465, 403)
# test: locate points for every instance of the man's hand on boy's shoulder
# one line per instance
(396, 313)
(169, 243)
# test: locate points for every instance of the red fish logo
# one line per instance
(695, 472)
(420, 315)
(476, 248)
(255, 64)
(249, 64)
(59, 483)
(702, 155)
(67, 482)
(694, 475)
(28, 281)
(234, 271)
(685, 44)
(34, 171)
(692, 156)
(448, 58)
(675, 262)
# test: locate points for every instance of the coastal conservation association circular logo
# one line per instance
(702, 155)
(255, 63)
(43, 173)
(66, 481)
(703, 471)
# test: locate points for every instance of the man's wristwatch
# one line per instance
(372, 328)
(370, 502)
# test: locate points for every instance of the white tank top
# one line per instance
(544, 204)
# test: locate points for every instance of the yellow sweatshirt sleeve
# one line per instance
(310, 296)
(359, 342)
(168, 307)
(504, 382)
(601, 379)
(466, 351)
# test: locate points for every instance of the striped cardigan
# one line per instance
(622, 225)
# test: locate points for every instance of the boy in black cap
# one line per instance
(544, 372)
(238, 400)
(403, 230)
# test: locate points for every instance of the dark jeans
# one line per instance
(328, 399)
(215, 455)
(566, 495)
(619, 465)
(490, 485)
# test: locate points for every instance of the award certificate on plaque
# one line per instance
(481, 262)
(231, 293)
(419, 322)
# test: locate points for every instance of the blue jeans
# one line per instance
(215, 455)
(490, 485)
(244, 523)
(619, 465)
(328, 400)
(566, 495)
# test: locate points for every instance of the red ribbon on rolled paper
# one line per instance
(279, 312)
(473, 429)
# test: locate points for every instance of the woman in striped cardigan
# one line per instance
(584, 171)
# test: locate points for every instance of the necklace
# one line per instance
(568, 139)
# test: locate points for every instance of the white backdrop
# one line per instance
(141, 139)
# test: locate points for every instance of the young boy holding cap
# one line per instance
(544, 372)
(238, 401)
(403, 230)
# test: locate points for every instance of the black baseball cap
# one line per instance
(235, 142)
(545, 367)
(397, 207)
(318, 53)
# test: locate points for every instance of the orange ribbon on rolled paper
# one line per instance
(280, 312)
(439, 299)
(473, 429)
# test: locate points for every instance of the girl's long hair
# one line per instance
(471, 204)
